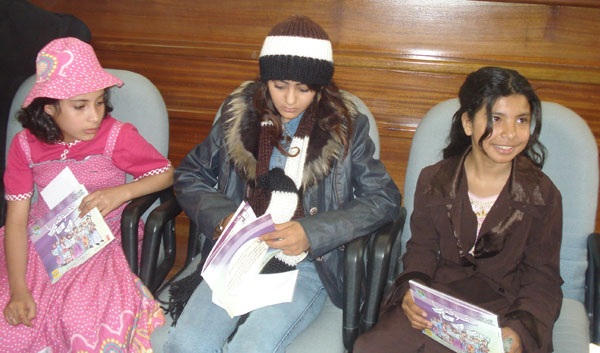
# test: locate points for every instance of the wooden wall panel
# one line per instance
(400, 57)
(190, 84)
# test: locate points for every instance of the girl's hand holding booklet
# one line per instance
(232, 268)
(458, 325)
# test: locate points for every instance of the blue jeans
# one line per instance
(204, 327)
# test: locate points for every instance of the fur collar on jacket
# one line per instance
(242, 128)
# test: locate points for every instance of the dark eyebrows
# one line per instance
(526, 114)
(290, 82)
(82, 100)
(78, 100)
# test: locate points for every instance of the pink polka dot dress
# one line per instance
(99, 306)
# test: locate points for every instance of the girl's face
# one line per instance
(511, 127)
(290, 98)
(78, 117)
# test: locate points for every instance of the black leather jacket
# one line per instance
(343, 198)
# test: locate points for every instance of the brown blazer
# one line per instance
(514, 271)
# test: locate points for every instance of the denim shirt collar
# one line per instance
(289, 129)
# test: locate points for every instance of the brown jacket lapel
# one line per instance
(520, 193)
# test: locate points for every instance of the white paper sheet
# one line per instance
(60, 187)
(232, 269)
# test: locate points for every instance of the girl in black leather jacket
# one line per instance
(294, 146)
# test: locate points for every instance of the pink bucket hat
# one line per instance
(68, 67)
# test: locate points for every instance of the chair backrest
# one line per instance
(571, 163)
(373, 132)
(137, 102)
(361, 107)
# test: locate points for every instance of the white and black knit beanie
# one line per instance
(297, 49)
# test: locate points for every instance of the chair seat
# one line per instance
(571, 330)
(324, 335)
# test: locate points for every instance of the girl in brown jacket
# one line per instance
(486, 225)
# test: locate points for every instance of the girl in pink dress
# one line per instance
(99, 306)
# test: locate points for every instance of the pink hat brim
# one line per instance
(68, 87)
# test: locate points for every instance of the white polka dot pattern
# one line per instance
(99, 306)
(112, 138)
(67, 67)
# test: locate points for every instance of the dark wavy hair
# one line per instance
(41, 124)
(328, 106)
(481, 89)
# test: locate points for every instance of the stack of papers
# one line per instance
(232, 269)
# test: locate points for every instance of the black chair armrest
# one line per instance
(353, 275)
(592, 286)
(129, 226)
(160, 225)
(3, 204)
(194, 244)
(378, 267)
(378, 259)
(194, 247)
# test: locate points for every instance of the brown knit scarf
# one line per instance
(269, 181)
(273, 191)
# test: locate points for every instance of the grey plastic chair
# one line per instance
(140, 103)
(572, 164)
(335, 329)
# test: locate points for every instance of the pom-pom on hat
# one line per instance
(297, 49)
(68, 67)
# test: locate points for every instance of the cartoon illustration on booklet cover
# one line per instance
(64, 240)
(456, 324)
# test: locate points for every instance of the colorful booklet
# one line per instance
(232, 268)
(458, 325)
(63, 240)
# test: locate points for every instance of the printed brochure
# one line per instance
(232, 268)
(458, 325)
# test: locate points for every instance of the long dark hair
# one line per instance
(328, 106)
(41, 124)
(481, 89)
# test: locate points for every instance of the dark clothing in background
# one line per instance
(24, 30)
